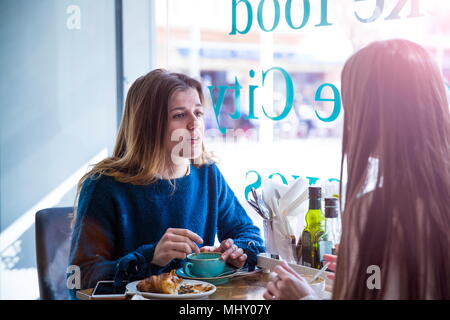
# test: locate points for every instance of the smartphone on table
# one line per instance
(106, 290)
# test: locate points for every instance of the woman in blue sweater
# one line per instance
(160, 196)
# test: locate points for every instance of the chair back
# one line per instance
(52, 251)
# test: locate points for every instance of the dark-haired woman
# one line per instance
(397, 208)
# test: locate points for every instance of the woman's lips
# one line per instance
(195, 140)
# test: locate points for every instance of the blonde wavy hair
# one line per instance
(139, 153)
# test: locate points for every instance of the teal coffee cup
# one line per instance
(204, 264)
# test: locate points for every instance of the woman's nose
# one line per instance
(193, 123)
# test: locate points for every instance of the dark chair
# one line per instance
(52, 251)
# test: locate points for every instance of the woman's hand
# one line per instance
(331, 259)
(289, 285)
(175, 244)
(231, 253)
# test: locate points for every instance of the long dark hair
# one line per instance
(397, 117)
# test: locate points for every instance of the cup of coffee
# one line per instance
(204, 264)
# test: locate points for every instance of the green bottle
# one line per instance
(314, 231)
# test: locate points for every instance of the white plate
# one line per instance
(131, 287)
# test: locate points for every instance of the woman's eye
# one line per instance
(178, 116)
(199, 114)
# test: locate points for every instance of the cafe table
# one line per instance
(245, 287)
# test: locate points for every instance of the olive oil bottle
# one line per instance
(314, 231)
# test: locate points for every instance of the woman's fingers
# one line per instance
(175, 244)
(268, 295)
(243, 257)
(225, 245)
(174, 254)
(290, 286)
(330, 257)
(273, 289)
(229, 251)
(187, 233)
(285, 272)
(232, 253)
(283, 265)
(208, 249)
(237, 253)
(239, 262)
(180, 246)
(183, 239)
(332, 266)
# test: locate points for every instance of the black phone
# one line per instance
(107, 290)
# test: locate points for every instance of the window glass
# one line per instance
(257, 137)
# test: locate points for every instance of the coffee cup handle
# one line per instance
(187, 268)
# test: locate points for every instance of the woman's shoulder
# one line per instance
(99, 183)
(214, 175)
(210, 169)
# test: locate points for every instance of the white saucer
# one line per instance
(131, 287)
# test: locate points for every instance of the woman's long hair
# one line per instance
(396, 117)
(139, 153)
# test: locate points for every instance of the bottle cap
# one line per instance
(331, 208)
(315, 192)
(331, 202)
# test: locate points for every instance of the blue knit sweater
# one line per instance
(119, 224)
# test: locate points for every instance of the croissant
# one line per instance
(167, 282)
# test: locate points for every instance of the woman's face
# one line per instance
(185, 126)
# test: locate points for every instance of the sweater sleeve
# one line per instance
(93, 239)
(234, 223)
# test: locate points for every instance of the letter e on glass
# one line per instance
(336, 99)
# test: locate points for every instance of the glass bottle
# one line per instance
(314, 231)
(333, 221)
